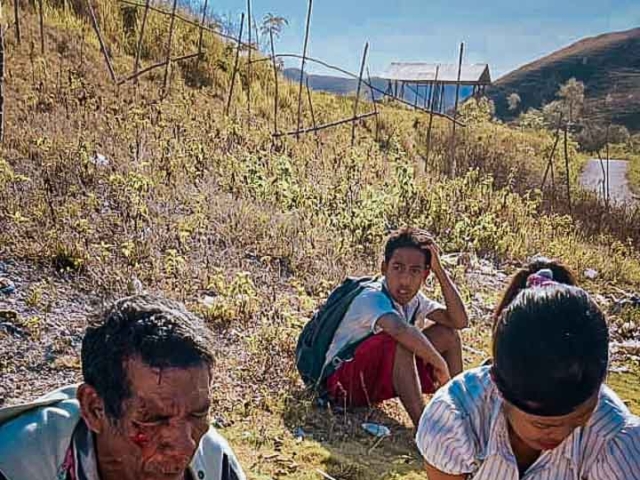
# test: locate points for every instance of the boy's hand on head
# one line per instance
(436, 264)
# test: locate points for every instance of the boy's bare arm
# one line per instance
(455, 316)
(413, 340)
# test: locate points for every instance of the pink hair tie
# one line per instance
(541, 278)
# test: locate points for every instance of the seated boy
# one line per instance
(415, 345)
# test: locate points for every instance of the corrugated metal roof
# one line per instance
(426, 72)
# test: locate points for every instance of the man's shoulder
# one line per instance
(35, 436)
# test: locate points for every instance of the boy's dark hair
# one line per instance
(550, 350)
(159, 332)
(561, 274)
(409, 237)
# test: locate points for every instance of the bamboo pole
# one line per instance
(304, 55)
(41, 15)
(357, 99)
(431, 102)
(550, 161)
(202, 24)
(275, 76)
(326, 125)
(455, 114)
(566, 163)
(136, 65)
(249, 63)
(607, 175)
(166, 82)
(103, 47)
(375, 105)
(2, 31)
(313, 115)
(16, 20)
(235, 67)
(553, 151)
(154, 66)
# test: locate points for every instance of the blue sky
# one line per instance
(504, 33)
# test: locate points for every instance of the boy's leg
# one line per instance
(446, 341)
(406, 383)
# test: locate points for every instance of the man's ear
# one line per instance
(91, 408)
(383, 267)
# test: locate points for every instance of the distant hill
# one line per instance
(330, 83)
(348, 86)
(609, 66)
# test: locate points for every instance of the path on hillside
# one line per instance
(592, 178)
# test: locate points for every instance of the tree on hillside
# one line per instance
(532, 119)
(595, 136)
(271, 29)
(272, 25)
(476, 110)
(567, 109)
(513, 101)
(571, 94)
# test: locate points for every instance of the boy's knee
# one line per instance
(453, 338)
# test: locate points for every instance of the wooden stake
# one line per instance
(326, 125)
(313, 115)
(16, 19)
(455, 114)
(375, 105)
(566, 163)
(156, 65)
(355, 103)
(2, 30)
(275, 77)
(136, 65)
(165, 87)
(304, 56)
(431, 102)
(103, 47)
(202, 23)
(41, 14)
(550, 161)
(249, 64)
(235, 67)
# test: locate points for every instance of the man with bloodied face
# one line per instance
(142, 412)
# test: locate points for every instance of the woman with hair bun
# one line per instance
(541, 411)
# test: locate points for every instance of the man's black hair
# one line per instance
(550, 350)
(408, 237)
(159, 332)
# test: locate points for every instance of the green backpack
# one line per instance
(317, 334)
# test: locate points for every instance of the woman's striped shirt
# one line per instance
(464, 430)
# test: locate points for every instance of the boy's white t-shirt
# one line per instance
(365, 310)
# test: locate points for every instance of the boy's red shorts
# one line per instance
(368, 378)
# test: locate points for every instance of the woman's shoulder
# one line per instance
(615, 433)
(469, 392)
(456, 425)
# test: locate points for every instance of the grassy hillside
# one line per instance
(104, 186)
(609, 66)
